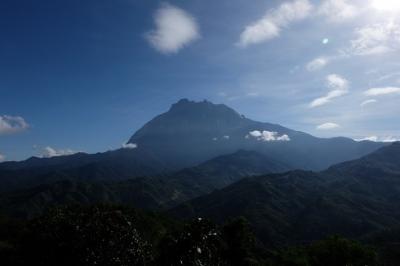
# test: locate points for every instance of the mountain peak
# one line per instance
(182, 102)
(191, 132)
(191, 117)
(188, 105)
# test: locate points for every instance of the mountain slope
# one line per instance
(151, 192)
(189, 134)
(109, 166)
(193, 132)
(227, 169)
(353, 199)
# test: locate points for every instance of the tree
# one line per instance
(97, 235)
(240, 242)
(198, 244)
(337, 251)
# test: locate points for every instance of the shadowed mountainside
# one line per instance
(193, 132)
(188, 134)
(150, 192)
(354, 199)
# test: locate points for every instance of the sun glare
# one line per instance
(386, 5)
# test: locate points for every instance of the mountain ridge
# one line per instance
(300, 205)
(209, 130)
(188, 134)
(151, 192)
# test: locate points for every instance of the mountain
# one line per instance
(188, 134)
(150, 192)
(193, 132)
(353, 199)
(109, 166)
(227, 169)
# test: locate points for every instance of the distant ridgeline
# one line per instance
(205, 160)
(188, 134)
(357, 199)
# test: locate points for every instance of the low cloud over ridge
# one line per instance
(267, 136)
(129, 146)
(49, 152)
(386, 139)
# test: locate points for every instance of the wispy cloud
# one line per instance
(376, 39)
(49, 152)
(389, 76)
(390, 139)
(382, 91)
(275, 20)
(328, 126)
(387, 139)
(337, 10)
(2, 158)
(175, 28)
(129, 146)
(317, 64)
(267, 136)
(364, 103)
(12, 124)
(339, 86)
(370, 138)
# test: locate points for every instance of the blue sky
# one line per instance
(84, 75)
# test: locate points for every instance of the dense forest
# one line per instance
(114, 235)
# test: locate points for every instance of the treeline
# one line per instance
(118, 236)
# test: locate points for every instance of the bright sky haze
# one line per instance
(84, 75)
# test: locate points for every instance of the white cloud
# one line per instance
(339, 86)
(12, 124)
(364, 103)
(49, 152)
(386, 139)
(283, 138)
(391, 6)
(226, 137)
(376, 39)
(382, 91)
(390, 139)
(327, 126)
(270, 26)
(337, 82)
(255, 133)
(2, 158)
(337, 10)
(267, 136)
(370, 138)
(388, 76)
(317, 64)
(175, 28)
(129, 146)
